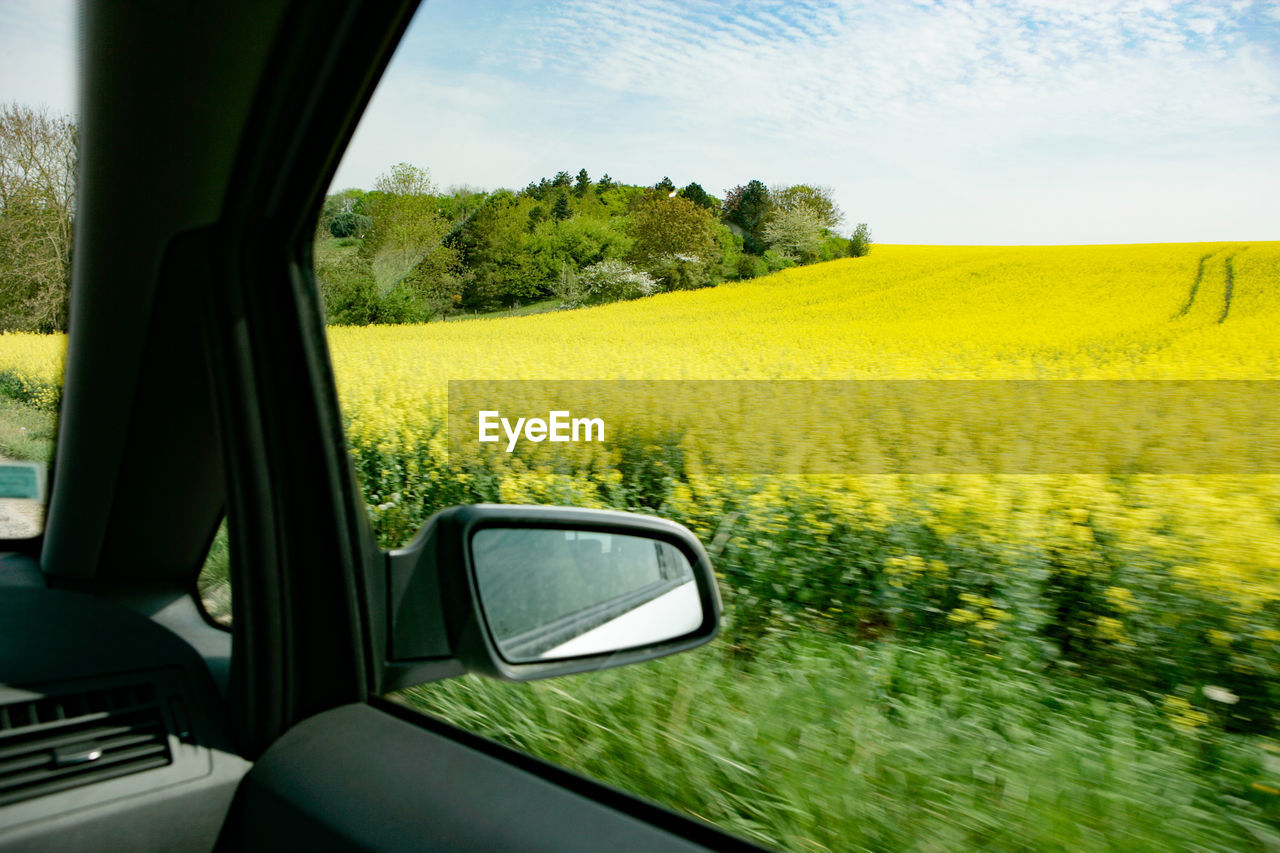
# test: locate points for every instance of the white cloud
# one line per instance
(973, 111)
(957, 120)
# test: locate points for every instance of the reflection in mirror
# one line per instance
(551, 594)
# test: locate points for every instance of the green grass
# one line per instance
(215, 578)
(820, 745)
(540, 307)
(26, 433)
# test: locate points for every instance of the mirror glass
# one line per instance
(550, 594)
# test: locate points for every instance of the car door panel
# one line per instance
(360, 778)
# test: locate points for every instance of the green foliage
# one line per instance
(775, 261)
(413, 268)
(816, 202)
(352, 297)
(347, 288)
(800, 223)
(347, 203)
(675, 241)
(350, 225)
(30, 391)
(833, 247)
(860, 242)
(696, 194)
(38, 155)
(751, 266)
(431, 254)
(796, 233)
(536, 191)
(665, 186)
(461, 203)
(729, 253)
(578, 242)
(496, 259)
(26, 432)
(747, 208)
(604, 281)
(561, 210)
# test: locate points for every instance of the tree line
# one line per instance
(37, 214)
(407, 252)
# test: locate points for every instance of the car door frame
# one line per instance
(231, 324)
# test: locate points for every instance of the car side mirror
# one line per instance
(525, 592)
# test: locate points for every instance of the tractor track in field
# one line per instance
(1228, 290)
(1195, 287)
(1230, 285)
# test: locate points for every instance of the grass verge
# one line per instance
(26, 433)
(820, 745)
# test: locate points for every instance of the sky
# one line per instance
(965, 122)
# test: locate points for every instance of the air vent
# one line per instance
(65, 741)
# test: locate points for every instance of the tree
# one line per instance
(406, 181)
(348, 201)
(675, 240)
(561, 180)
(816, 201)
(747, 208)
(536, 214)
(696, 194)
(604, 184)
(583, 184)
(665, 185)
(494, 253)
(561, 210)
(802, 217)
(350, 225)
(606, 281)
(579, 242)
(796, 233)
(860, 242)
(347, 287)
(37, 210)
(406, 248)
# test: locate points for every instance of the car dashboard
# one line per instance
(110, 734)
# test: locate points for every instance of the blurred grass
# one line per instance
(215, 578)
(26, 433)
(816, 744)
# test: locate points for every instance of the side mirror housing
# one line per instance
(526, 592)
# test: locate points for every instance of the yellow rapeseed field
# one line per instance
(1122, 562)
(1135, 572)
